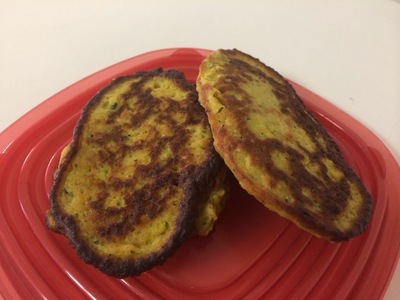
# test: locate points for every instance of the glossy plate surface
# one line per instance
(252, 253)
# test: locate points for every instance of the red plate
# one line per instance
(252, 253)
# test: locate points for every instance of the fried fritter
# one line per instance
(277, 149)
(139, 176)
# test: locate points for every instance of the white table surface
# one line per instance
(346, 51)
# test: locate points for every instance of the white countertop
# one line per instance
(348, 52)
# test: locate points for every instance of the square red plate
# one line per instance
(253, 253)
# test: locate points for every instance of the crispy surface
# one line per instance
(139, 170)
(277, 150)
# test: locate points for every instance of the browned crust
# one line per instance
(196, 182)
(334, 198)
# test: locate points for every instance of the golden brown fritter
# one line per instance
(139, 171)
(276, 148)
